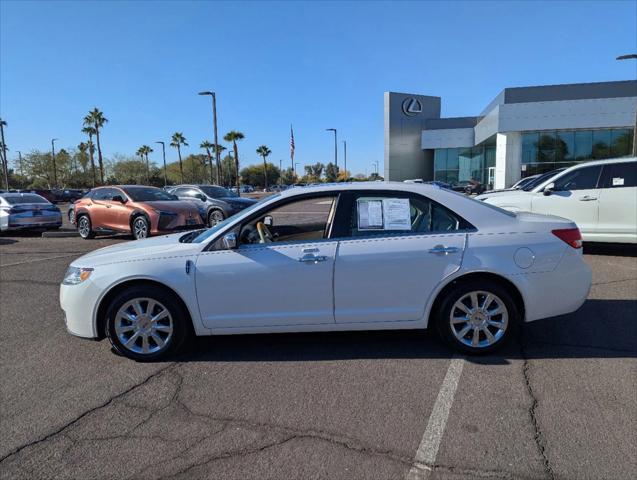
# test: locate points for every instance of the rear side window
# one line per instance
(580, 179)
(396, 214)
(620, 175)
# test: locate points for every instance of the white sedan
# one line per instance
(363, 256)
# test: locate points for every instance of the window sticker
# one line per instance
(370, 214)
(397, 214)
(384, 214)
(618, 182)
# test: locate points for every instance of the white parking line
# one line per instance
(428, 449)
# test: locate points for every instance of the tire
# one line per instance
(71, 217)
(215, 216)
(495, 321)
(132, 331)
(84, 227)
(140, 228)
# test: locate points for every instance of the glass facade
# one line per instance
(453, 165)
(548, 150)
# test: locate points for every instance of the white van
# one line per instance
(599, 196)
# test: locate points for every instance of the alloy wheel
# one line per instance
(215, 217)
(140, 228)
(84, 227)
(479, 319)
(144, 326)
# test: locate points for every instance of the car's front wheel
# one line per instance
(214, 217)
(477, 317)
(141, 228)
(84, 227)
(146, 324)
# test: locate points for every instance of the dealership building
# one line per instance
(523, 131)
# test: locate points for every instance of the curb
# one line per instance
(60, 234)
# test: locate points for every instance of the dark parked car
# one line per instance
(469, 187)
(48, 194)
(215, 203)
(69, 195)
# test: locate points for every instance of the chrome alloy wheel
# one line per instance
(144, 326)
(479, 319)
(84, 226)
(140, 228)
(215, 217)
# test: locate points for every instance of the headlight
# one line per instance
(75, 275)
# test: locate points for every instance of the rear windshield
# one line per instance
(148, 194)
(24, 198)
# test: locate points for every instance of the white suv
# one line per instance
(599, 196)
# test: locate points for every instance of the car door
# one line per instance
(398, 248)
(100, 210)
(120, 211)
(575, 196)
(281, 283)
(618, 203)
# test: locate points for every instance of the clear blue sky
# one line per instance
(316, 65)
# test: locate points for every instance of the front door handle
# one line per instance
(311, 258)
(587, 198)
(441, 249)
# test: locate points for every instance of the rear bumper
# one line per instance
(32, 223)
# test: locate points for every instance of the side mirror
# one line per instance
(119, 198)
(201, 197)
(268, 221)
(549, 189)
(230, 241)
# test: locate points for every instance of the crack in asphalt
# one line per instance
(540, 442)
(593, 347)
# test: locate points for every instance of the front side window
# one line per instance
(308, 219)
(580, 179)
(387, 214)
(103, 194)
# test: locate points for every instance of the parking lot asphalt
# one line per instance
(559, 402)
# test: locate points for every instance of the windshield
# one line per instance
(206, 234)
(24, 198)
(217, 192)
(148, 194)
(536, 181)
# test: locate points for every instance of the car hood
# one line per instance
(502, 193)
(177, 206)
(137, 249)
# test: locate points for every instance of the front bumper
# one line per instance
(79, 303)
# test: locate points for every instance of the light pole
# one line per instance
(345, 158)
(335, 147)
(55, 174)
(631, 56)
(5, 163)
(375, 164)
(20, 161)
(280, 172)
(214, 123)
(163, 151)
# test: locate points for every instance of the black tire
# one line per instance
(181, 329)
(84, 227)
(479, 320)
(140, 227)
(215, 216)
(71, 216)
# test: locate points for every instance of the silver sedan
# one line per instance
(24, 211)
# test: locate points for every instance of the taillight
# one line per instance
(572, 236)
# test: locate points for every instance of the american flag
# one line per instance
(292, 145)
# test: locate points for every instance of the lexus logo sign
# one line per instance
(412, 106)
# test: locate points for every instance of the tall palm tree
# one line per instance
(219, 149)
(233, 137)
(90, 131)
(96, 119)
(83, 149)
(177, 141)
(143, 152)
(264, 151)
(140, 151)
(207, 146)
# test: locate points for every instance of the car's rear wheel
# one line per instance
(214, 217)
(145, 324)
(84, 227)
(140, 228)
(477, 317)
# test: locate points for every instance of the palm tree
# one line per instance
(264, 152)
(96, 119)
(178, 140)
(83, 149)
(233, 137)
(207, 146)
(218, 149)
(140, 151)
(90, 131)
(147, 150)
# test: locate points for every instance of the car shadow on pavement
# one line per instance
(7, 241)
(600, 329)
(611, 249)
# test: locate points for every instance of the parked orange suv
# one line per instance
(142, 211)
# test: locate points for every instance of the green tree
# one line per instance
(331, 173)
(288, 177)
(96, 119)
(255, 175)
(264, 151)
(229, 173)
(314, 172)
(220, 149)
(233, 136)
(177, 141)
(206, 145)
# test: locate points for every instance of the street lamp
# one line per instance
(20, 161)
(3, 155)
(55, 174)
(375, 167)
(163, 151)
(345, 158)
(335, 146)
(632, 56)
(214, 123)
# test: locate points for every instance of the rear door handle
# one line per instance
(587, 198)
(441, 249)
